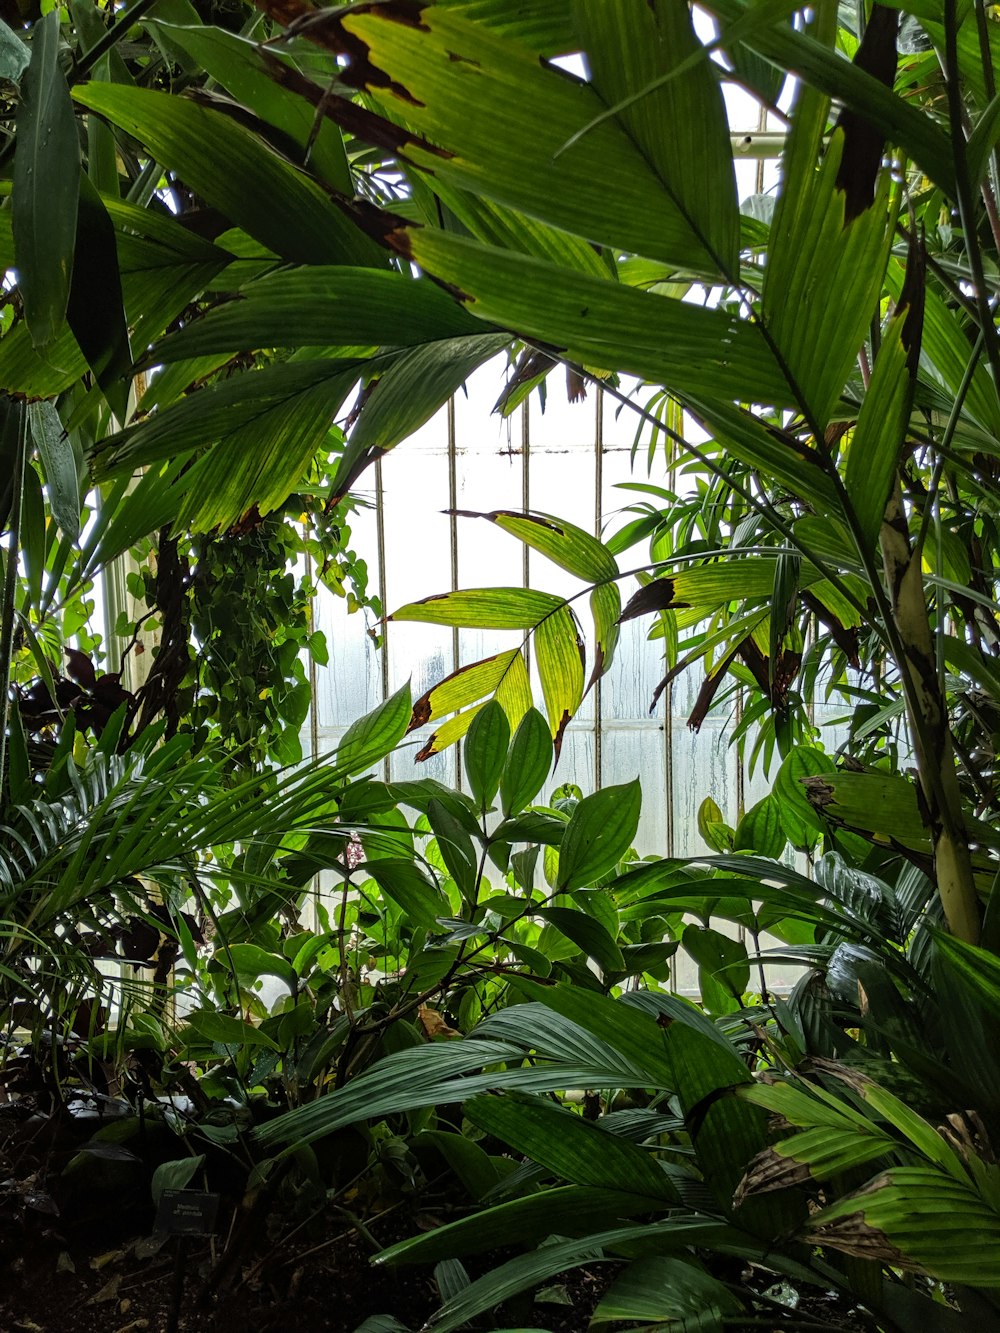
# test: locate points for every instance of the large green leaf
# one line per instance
(527, 764)
(599, 833)
(880, 432)
(563, 1210)
(234, 171)
(977, 969)
(323, 305)
(823, 279)
(690, 348)
(264, 429)
(668, 1294)
(240, 67)
(680, 127)
(453, 74)
(406, 884)
(96, 310)
(917, 1218)
(588, 934)
(483, 608)
(575, 1149)
(407, 394)
(46, 186)
(373, 736)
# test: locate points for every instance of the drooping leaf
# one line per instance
(240, 67)
(920, 1220)
(483, 608)
(407, 394)
(323, 305)
(59, 465)
(264, 429)
(881, 429)
(372, 737)
(406, 884)
(464, 686)
(234, 171)
(587, 934)
(96, 310)
(559, 655)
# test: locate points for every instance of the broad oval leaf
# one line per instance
(528, 763)
(485, 752)
(600, 831)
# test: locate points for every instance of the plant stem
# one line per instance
(10, 581)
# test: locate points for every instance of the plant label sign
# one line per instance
(187, 1213)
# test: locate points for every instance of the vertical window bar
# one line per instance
(526, 505)
(380, 538)
(453, 545)
(598, 525)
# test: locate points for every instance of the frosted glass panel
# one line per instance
(570, 462)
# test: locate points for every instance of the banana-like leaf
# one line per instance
(920, 1220)
(575, 1149)
(234, 171)
(670, 1295)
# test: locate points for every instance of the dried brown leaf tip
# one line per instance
(770, 1170)
(655, 596)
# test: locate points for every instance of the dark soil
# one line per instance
(79, 1252)
(160, 1286)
